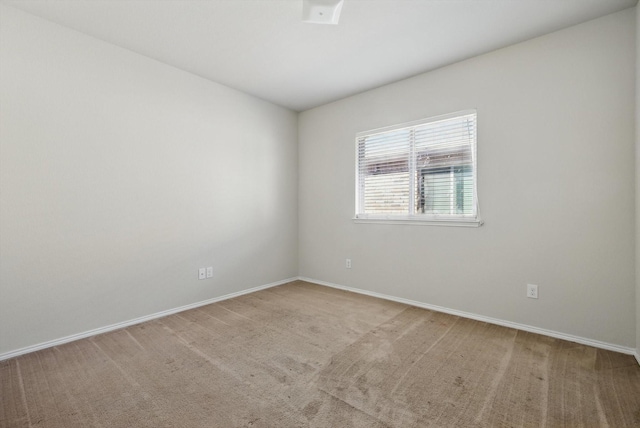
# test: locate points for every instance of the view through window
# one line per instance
(420, 171)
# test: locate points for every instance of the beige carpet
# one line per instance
(303, 355)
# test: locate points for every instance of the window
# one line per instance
(420, 172)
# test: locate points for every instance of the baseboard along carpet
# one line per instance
(305, 355)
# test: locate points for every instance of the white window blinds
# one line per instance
(420, 171)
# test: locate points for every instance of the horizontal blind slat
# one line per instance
(440, 155)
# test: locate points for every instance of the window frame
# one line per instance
(458, 220)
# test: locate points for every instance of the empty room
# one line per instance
(319, 213)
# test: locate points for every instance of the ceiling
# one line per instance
(261, 46)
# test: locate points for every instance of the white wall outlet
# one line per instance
(202, 273)
(348, 263)
(532, 291)
(210, 272)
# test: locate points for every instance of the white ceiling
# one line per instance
(261, 46)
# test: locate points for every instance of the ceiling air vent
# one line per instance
(321, 11)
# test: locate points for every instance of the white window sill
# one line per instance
(420, 222)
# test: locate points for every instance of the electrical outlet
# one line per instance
(348, 264)
(202, 273)
(532, 291)
(210, 272)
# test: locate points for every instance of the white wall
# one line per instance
(120, 176)
(637, 9)
(556, 187)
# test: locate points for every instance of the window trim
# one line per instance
(420, 219)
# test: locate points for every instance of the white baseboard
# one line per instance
(117, 326)
(524, 327)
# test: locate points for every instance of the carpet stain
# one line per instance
(311, 409)
(459, 381)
